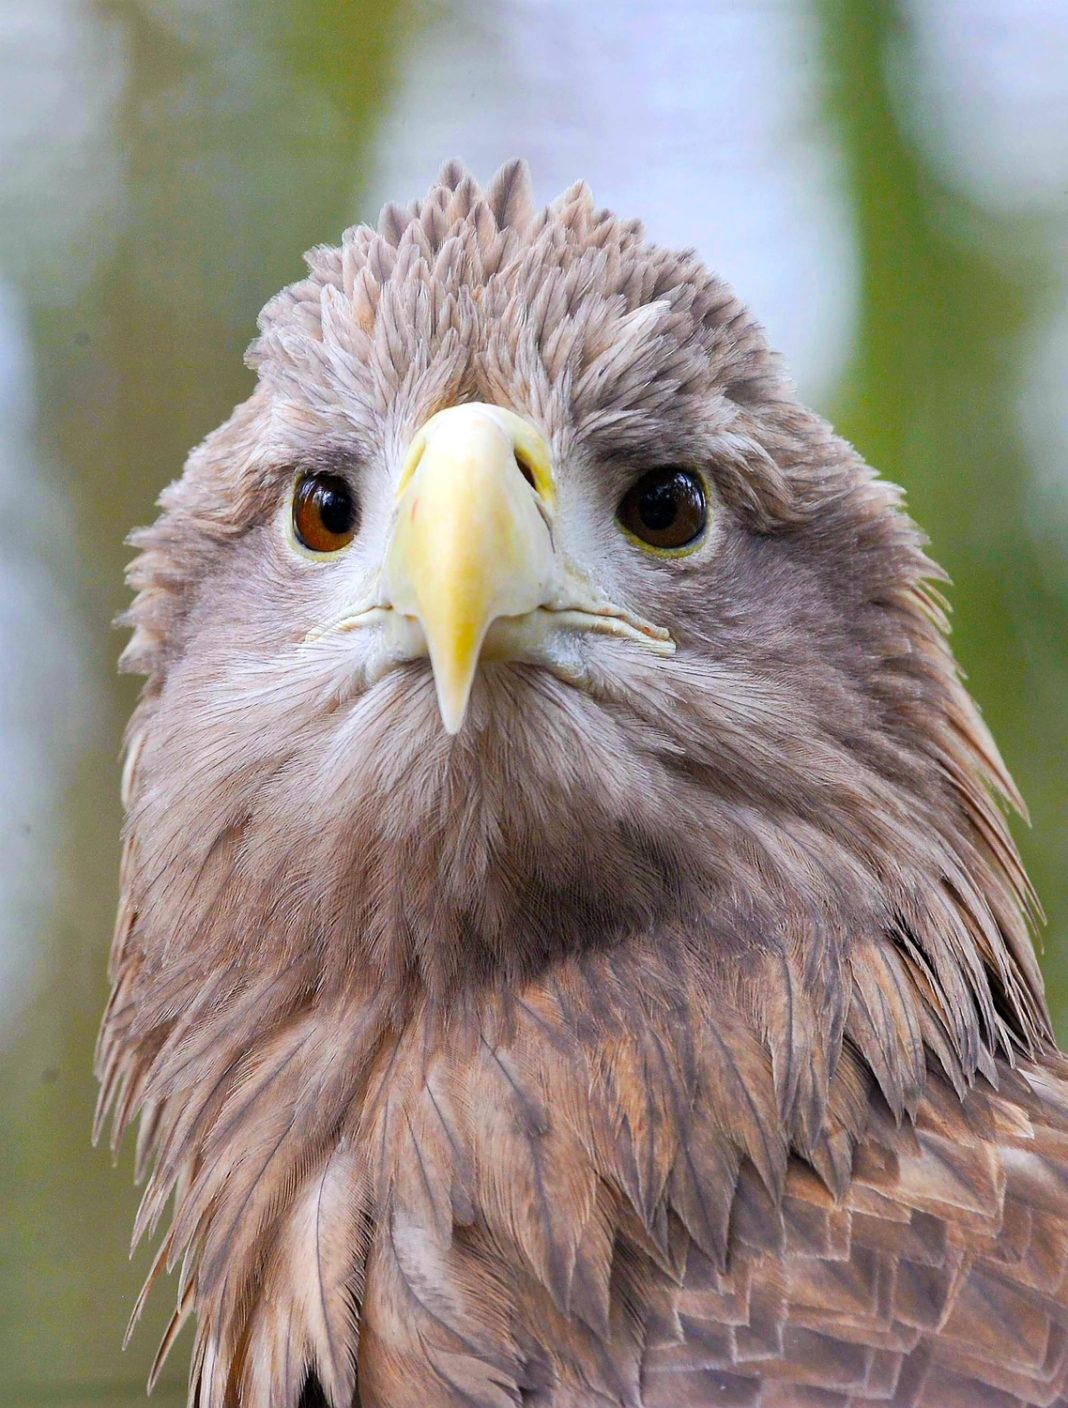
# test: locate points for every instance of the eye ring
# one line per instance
(325, 513)
(665, 511)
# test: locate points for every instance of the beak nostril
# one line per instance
(525, 470)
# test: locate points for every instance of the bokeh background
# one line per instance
(886, 183)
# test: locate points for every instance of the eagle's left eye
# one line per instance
(324, 512)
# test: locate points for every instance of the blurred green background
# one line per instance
(886, 184)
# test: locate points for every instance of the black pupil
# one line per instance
(658, 506)
(335, 506)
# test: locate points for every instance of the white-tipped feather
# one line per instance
(305, 1318)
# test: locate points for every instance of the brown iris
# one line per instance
(324, 512)
(665, 508)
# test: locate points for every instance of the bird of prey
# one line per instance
(570, 950)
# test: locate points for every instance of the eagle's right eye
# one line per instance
(666, 511)
(324, 513)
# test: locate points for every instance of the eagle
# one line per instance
(570, 950)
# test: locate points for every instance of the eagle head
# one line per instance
(550, 744)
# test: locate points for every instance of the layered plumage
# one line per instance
(672, 1034)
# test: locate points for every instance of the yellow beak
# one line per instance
(471, 542)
